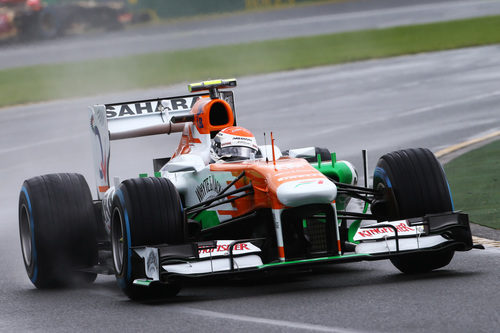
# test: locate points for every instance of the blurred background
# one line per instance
(36, 19)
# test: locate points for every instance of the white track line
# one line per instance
(265, 321)
(460, 101)
(41, 143)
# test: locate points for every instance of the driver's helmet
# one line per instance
(233, 143)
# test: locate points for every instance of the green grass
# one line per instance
(39, 83)
(475, 184)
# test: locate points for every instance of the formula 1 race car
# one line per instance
(34, 20)
(198, 217)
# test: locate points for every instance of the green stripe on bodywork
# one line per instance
(208, 218)
(318, 219)
(142, 282)
(338, 171)
(313, 260)
(354, 227)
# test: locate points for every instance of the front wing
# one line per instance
(223, 258)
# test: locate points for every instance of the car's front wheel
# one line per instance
(146, 211)
(417, 186)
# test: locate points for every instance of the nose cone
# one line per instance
(303, 192)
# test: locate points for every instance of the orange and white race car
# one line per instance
(224, 206)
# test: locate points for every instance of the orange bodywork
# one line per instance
(265, 178)
(202, 109)
(187, 140)
(202, 124)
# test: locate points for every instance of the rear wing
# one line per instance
(134, 119)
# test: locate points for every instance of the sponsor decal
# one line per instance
(381, 232)
(152, 263)
(242, 138)
(209, 187)
(223, 246)
(130, 110)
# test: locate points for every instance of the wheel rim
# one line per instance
(25, 230)
(117, 240)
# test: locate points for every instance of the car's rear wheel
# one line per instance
(414, 184)
(49, 23)
(324, 154)
(146, 212)
(57, 228)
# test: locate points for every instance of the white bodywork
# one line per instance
(140, 118)
(211, 260)
(302, 152)
(186, 162)
(379, 238)
(405, 244)
(381, 230)
(267, 152)
(214, 265)
(100, 147)
(217, 259)
(307, 191)
(201, 185)
(151, 262)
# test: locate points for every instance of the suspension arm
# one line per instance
(189, 210)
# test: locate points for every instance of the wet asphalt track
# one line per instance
(292, 22)
(431, 100)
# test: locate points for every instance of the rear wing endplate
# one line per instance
(134, 119)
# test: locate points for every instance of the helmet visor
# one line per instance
(237, 153)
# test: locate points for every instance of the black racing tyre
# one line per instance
(49, 23)
(146, 211)
(418, 186)
(417, 181)
(57, 226)
(324, 153)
